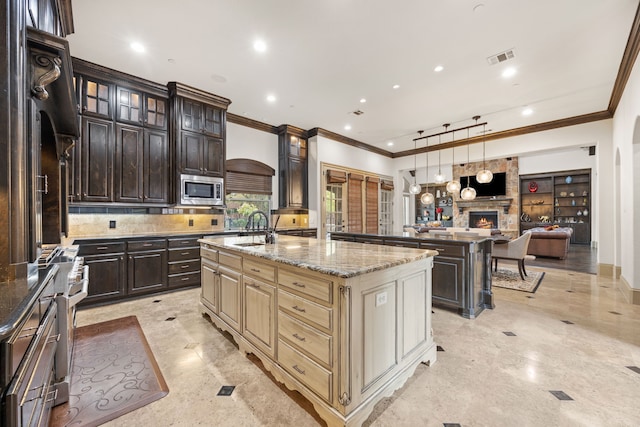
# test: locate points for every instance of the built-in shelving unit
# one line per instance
(562, 198)
(428, 213)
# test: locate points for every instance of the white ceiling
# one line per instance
(324, 56)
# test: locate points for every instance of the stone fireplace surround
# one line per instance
(506, 207)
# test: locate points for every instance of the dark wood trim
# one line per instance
(249, 166)
(626, 65)
(65, 12)
(118, 77)
(349, 141)
(250, 123)
(540, 127)
(185, 91)
(292, 130)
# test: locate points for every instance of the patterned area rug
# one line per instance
(113, 373)
(509, 278)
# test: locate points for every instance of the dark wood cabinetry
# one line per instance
(561, 198)
(123, 155)
(293, 164)
(198, 126)
(121, 268)
(147, 266)
(107, 270)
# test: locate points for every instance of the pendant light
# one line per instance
(427, 198)
(415, 188)
(439, 178)
(468, 193)
(485, 175)
(454, 185)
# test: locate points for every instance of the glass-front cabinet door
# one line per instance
(333, 201)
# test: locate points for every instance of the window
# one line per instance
(240, 205)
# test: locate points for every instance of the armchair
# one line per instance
(515, 250)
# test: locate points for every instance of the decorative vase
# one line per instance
(573, 202)
(568, 179)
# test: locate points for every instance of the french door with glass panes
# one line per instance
(386, 212)
(334, 205)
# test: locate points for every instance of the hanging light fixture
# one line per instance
(468, 193)
(485, 175)
(454, 185)
(427, 198)
(415, 188)
(439, 178)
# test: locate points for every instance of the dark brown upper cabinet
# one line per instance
(198, 126)
(293, 164)
(123, 156)
(143, 109)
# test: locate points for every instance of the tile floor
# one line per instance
(568, 355)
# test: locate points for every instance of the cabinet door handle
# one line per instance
(252, 284)
(301, 371)
(299, 338)
(301, 310)
(300, 285)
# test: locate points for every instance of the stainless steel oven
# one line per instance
(71, 287)
(198, 190)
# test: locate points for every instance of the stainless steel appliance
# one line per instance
(198, 190)
(71, 287)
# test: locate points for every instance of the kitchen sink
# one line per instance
(249, 244)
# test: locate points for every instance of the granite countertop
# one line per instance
(18, 296)
(332, 257)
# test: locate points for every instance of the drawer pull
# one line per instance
(253, 285)
(300, 285)
(102, 248)
(301, 310)
(439, 249)
(184, 266)
(257, 270)
(146, 245)
(301, 371)
(299, 338)
(185, 278)
(184, 253)
(185, 242)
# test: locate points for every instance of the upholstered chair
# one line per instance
(515, 249)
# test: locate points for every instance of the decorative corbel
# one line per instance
(46, 70)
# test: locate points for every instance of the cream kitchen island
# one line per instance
(343, 323)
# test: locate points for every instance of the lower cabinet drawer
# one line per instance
(310, 312)
(306, 370)
(305, 337)
(184, 267)
(184, 279)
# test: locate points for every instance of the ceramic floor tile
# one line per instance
(484, 378)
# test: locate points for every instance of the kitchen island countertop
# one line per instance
(336, 258)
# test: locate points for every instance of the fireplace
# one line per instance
(483, 219)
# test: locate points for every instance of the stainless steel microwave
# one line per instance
(197, 190)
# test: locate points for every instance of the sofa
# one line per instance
(547, 242)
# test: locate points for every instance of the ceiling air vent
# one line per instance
(357, 112)
(501, 57)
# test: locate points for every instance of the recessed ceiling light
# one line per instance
(260, 46)
(218, 78)
(390, 144)
(271, 98)
(396, 86)
(509, 72)
(438, 68)
(527, 111)
(138, 47)
(347, 127)
(171, 61)
(363, 100)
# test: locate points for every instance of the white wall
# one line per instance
(625, 133)
(248, 143)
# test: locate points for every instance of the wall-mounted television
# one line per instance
(497, 186)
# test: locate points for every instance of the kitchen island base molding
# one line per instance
(344, 341)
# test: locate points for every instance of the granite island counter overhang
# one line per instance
(344, 324)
